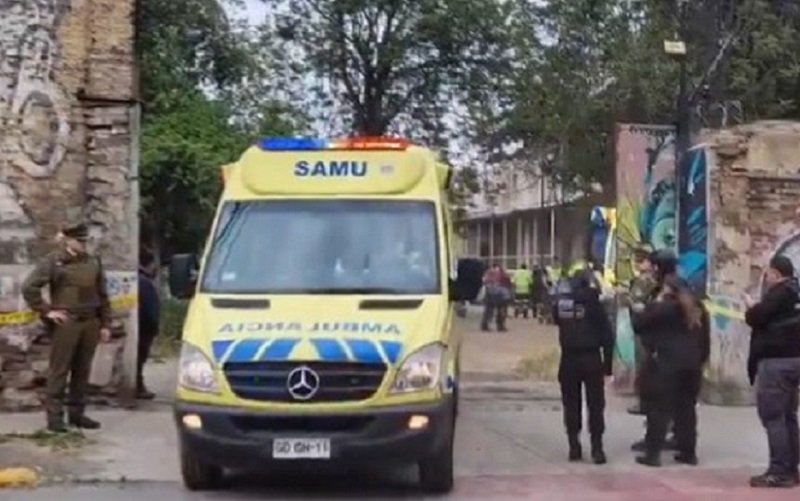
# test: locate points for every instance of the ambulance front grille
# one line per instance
(338, 381)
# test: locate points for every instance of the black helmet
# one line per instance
(664, 261)
(580, 279)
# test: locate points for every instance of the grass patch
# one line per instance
(541, 367)
(73, 439)
(165, 348)
(168, 343)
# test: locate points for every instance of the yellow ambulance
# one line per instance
(319, 328)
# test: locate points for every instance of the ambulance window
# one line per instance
(325, 247)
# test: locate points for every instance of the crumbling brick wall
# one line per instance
(753, 215)
(67, 127)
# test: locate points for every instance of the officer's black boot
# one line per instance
(598, 455)
(575, 449)
(650, 459)
(55, 422)
(81, 421)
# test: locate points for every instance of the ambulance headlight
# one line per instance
(422, 370)
(196, 372)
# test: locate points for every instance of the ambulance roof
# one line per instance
(363, 166)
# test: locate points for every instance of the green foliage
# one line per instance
(168, 343)
(386, 65)
(203, 105)
(596, 62)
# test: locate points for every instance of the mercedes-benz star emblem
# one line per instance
(302, 383)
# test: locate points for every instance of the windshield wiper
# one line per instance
(233, 217)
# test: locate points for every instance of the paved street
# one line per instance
(510, 445)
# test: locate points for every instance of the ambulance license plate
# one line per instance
(301, 448)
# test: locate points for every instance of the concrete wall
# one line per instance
(67, 121)
(753, 215)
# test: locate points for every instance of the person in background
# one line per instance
(538, 291)
(774, 367)
(523, 283)
(149, 317)
(77, 316)
(674, 329)
(497, 292)
(587, 350)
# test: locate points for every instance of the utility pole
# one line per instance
(677, 49)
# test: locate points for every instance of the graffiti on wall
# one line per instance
(34, 111)
(29, 96)
(646, 216)
(693, 220)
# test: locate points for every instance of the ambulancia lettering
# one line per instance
(317, 327)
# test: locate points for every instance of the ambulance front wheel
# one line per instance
(436, 471)
(198, 475)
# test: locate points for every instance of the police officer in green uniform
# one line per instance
(77, 317)
(641, 290)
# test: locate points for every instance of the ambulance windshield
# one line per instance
(324, 247)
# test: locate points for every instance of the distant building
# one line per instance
(525, 217)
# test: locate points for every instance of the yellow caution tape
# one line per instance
(27, 317)
(716, 309)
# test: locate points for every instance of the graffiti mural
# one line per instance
(693, 220)
(34, 112)
(29, 96)
(646, 215)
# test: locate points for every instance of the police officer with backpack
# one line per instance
(587, 348)
(77, 316)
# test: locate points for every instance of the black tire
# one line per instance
(436, 471)
(197, 474)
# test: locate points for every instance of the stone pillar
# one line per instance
(752, 204)
(67, 84)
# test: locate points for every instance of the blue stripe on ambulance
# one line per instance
(392, 350)
(245, 350)
(219, 348)
(364, 351)
(330, 350)
(280, 349)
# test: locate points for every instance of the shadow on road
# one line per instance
(313, 482)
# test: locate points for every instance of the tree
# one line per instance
(389, 65)
(204, 103)
(582, 65)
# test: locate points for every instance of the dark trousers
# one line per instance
(671, 396)
(777, 400)
(494, 308)
(581, 370)
(146, 337)
(71, 356)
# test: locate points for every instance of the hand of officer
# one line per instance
(105, 335)
(58, 317)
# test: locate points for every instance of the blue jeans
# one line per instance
(777, 387)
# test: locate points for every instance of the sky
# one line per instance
(254, 11)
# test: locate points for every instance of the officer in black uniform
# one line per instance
(587, 347)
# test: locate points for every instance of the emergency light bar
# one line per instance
(314, 144)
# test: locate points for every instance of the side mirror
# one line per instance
(469, 280)
(183, 275)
